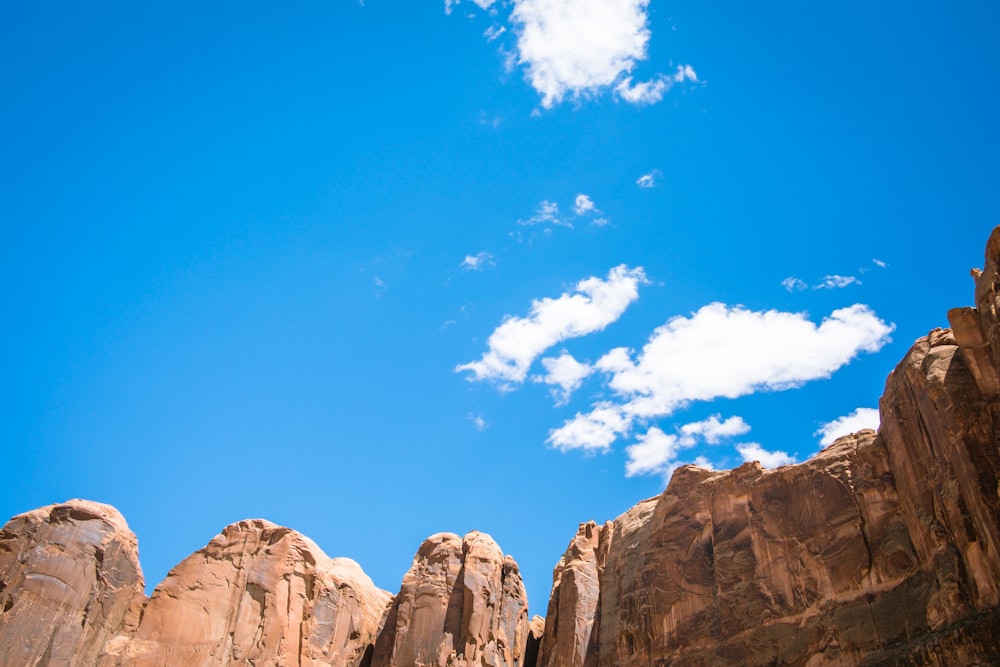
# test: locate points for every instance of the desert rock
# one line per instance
(69, 574)
(462, 603)
(258, 594)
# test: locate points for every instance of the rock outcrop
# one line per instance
(257, 594)
(68, 575)
(882, 549)
(462, 603)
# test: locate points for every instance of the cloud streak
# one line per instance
(591, 306)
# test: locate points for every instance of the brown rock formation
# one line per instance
(882, 549)
(68, 574)
(257, 594)
(462, 603)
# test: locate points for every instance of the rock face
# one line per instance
(68, 575)
(462, 603)
(882, 549)
(258, 594)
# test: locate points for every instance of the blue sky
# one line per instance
(375, 271)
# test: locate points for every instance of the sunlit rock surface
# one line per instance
(462, 603)
(883, 549)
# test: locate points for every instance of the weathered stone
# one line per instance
(258, 594)
(462, 603)
(68, 575)
(881, 549)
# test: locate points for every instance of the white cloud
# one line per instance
(583, 205)
(793, 284)
(493, 32)
(578, 47)
(654, 452)
(879, 263)
(652, 91)
(478, 422)
(751, 451)
(648, 180)
(657, 452)
(721, 351)
(848, 424)
(478, 262)
(566, 373)
(712, 430)
(450, 4)
(518, 341)
(546, 214)
(595, 433)
(835, 282)
(643, 92)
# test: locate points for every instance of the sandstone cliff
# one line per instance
(462, 603)
(883, 549)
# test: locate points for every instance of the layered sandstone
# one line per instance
(462, 603)
(257, 594)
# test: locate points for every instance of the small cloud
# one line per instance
(493, 32)
(836, 282)
(592, 306)
(583, 205)
(478, 422)
(751, 451)
(450, 4)
(879, 263)
(848, 424)
(566, 373)
(793, 284)
(712, 430)
(546, 214)
(599, 222)
(649, 180)
(645, 92)
(478, 262)
(657, 452)
(380, 287)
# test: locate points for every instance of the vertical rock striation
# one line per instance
(68, 576)
(462, 603)
(257, 594)
(881, 549)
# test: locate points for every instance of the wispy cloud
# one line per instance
(836, 282)
(478, 422)
(652, 91)
(719, 351)
(848, 424)
(483, 4)
(591, 306)
(751, 451)
(830, 281)
(793, 284)
(879, 263)
(649, 180)
(547, 213)
(478, 262)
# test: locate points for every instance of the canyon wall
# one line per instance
(883, 549)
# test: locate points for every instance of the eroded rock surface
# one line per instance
(462, 603)
(257, 594)
(68, 576)
(882, 549)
